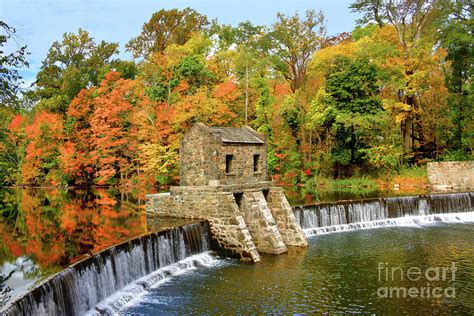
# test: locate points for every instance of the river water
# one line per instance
(344, 270)
(42, 231)
(337, 273)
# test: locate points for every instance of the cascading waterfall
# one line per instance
(104, 282)
(393, 211)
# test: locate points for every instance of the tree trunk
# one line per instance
(310, 145)
(303, 147)
(406, 126)
(353, 141)
(418, 133)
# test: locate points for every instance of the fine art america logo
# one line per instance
(425, 280)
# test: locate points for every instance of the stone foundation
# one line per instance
(451, 174)
(283, 214)
(261, 224)
(244, 220)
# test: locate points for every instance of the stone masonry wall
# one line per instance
(244, 219)
(198, 157)
(261, 224)
(228, 227)
(242, 170)
(451, 174)
(282, 212)
(203, 158)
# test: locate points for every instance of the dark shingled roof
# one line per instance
(235, 135)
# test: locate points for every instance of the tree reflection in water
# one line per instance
(4, 289)
(55, 228)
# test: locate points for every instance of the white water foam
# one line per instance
(134, 292)
(406, 221)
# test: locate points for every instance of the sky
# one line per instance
(39, 23)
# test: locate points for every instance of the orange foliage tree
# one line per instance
(41, 163)
(101, 147)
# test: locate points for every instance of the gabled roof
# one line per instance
(239, 135)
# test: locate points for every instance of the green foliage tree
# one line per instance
(372, 11)
(71, 65)
(293, 41)
(167, 27)
(227, 35)
(178, 70)
(10, 62)
(456, 36)
(350, 106)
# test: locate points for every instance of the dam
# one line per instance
(224, 180)
(177, 270)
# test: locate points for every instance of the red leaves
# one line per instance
(108, 125)
(281, 156)
(307, 172)
(99, 148)
(46, 124)
(16, 123)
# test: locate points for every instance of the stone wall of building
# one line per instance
(451, 174)
(260, 223)
(198, 157)
(203, 159)
(242, 169)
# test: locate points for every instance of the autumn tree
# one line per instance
(414, 22)
(12, 147)
(45, 135)
(241, 57)
(12, 136)
(101, 147)
(77, 159)
(292, 43)
(111, 128)
(167, 27)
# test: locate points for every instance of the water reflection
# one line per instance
(42, 231)
(4, 288)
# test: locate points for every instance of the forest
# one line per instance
(396, 91)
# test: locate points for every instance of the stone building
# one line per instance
(224, 179)
(227, 155)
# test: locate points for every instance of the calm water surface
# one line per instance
(337, 273)
(42, 231)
